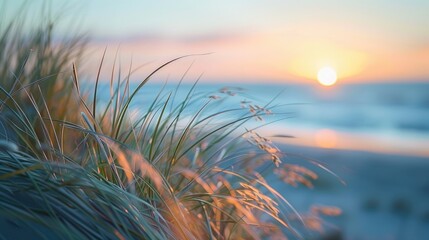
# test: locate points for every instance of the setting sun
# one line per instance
(327, 76)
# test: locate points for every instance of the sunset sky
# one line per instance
(279, 41)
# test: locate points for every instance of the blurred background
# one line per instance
(354, 77)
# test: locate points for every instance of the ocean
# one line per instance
(384, 117)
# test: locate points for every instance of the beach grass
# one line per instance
(75, 165)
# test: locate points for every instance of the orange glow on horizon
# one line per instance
(270, 58)
(326, 138)
(309, 59)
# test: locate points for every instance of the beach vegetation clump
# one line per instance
(76, 164)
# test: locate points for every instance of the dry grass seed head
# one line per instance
(264, 144)
(293, 174)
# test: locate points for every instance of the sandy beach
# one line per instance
(384, 196)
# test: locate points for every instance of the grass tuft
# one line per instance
(77, 164)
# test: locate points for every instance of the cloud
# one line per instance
(154, 38)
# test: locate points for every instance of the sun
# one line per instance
(327, 76)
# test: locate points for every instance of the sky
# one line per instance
(258, 41)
